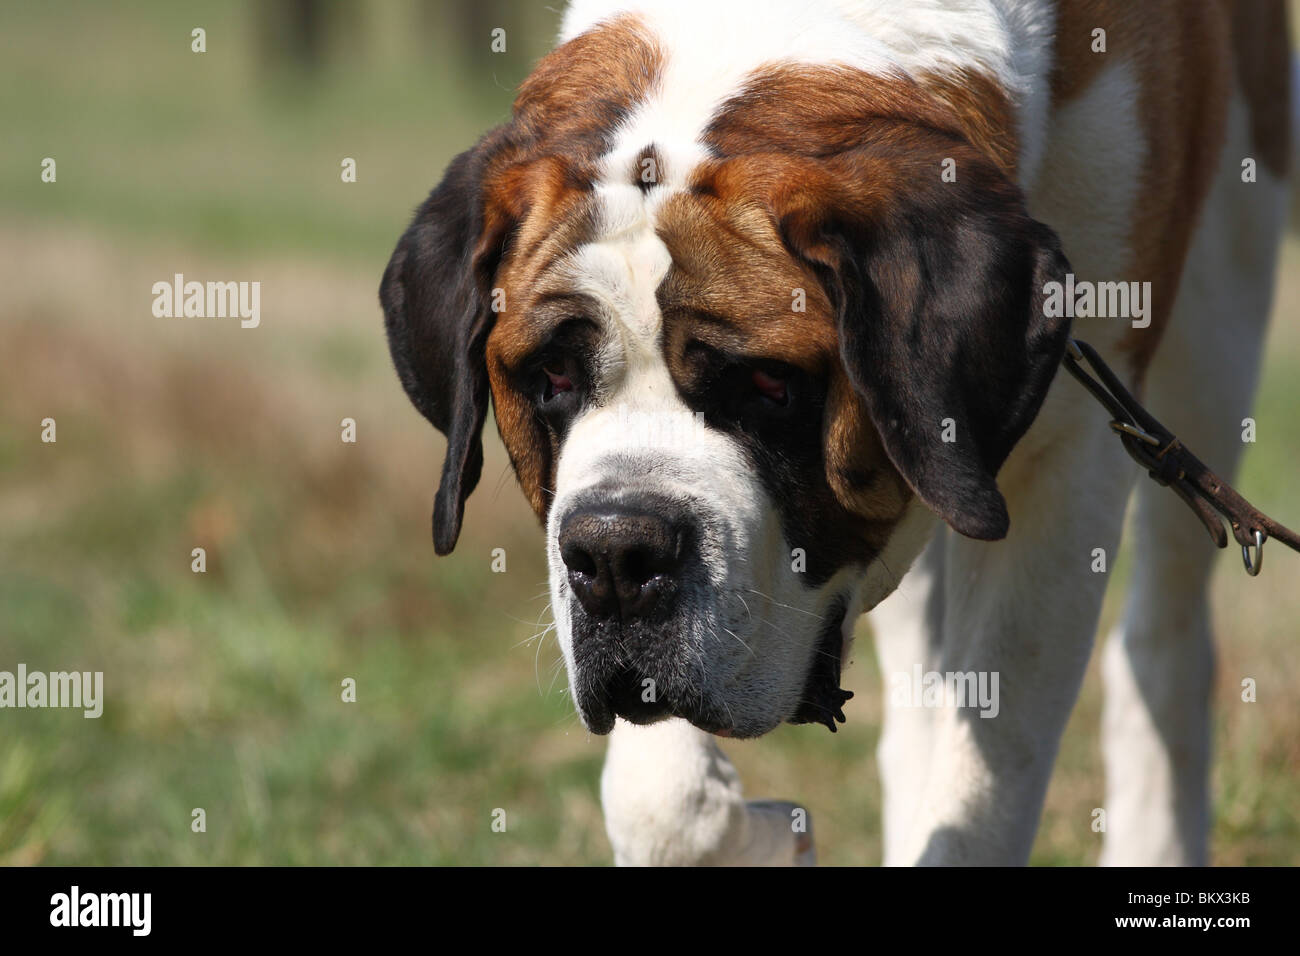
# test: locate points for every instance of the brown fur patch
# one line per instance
(580, 91)
(559, 220)
(858, 470)
(983, 112)
(1261, 47)
(734, 286)
(1178, 50)
(819, 111)
(538, 208)
(733, 282)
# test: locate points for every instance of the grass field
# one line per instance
(224, 688)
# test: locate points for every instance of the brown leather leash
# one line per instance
(1171, 463)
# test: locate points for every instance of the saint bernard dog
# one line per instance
(756, 291)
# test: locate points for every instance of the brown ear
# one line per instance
(436, 295)
(938, 292)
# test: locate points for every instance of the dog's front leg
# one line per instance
(1018, 626)
(672, 798)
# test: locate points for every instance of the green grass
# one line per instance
(224, 688)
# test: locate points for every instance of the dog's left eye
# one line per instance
(741, 384)
(771, 386)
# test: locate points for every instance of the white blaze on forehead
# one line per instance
(639, 408)
(623, 267)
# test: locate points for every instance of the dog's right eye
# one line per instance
(555, 376)
(556, 383)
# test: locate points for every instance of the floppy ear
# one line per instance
(938, 289)
(435, 295)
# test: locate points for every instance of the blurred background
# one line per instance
(223, 689)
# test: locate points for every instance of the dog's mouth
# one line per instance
(625, 694)
(822, 700)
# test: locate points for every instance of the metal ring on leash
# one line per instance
(1253, 569)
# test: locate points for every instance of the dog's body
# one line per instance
(802, 221)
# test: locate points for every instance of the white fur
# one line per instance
(671, 797)
(1087, 186)
(908, 628)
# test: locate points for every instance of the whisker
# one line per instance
(816, 650)
(791, 607)
(742, 643)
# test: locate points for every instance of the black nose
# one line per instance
(622, 563)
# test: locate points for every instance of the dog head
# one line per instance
(736, 376)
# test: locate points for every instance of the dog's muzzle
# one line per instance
(622, 564)
(630, 563)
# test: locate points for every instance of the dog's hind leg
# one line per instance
(1158, 663)
(672, 798)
